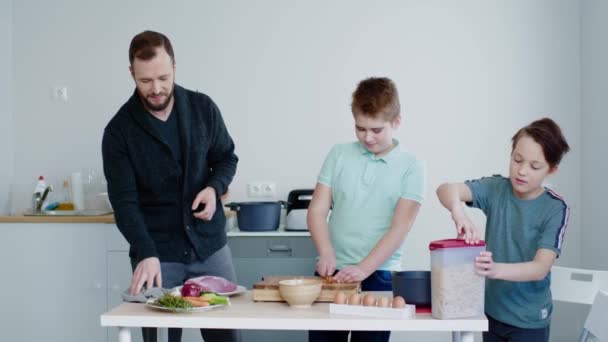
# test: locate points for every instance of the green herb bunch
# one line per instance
(170, 301)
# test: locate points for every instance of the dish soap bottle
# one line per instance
(40, 186)
(38, 191)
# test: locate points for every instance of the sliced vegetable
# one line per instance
(214, 298)
(197, 301)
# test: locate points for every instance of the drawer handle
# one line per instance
(279, 248)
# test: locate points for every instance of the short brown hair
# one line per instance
(143, 46)
(376, 96)
(549, 136)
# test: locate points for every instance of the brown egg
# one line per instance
(369, 300)
(354, 299)
(383, 302)
(398, 302)
(340, 298)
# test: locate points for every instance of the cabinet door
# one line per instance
(252, 270)
(53, 282)
(253, 257)
(119, 279)
(256, 257)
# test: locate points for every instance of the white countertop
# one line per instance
(279, 232)
(244, 313)
(110, 219)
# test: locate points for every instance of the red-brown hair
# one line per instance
(143, 46)
(549, 136)
(376, 96)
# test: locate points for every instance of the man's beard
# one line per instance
(157, 107)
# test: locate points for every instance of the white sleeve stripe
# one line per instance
(562, 231)
(559, 239)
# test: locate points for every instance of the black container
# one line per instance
(413, 286)
(257, 216)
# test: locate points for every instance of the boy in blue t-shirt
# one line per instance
(525, 230)
(374, 190)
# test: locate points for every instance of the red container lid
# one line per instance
(453, 243)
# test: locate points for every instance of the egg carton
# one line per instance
(373, 311)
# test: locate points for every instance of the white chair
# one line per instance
(581, 286)
(575, 285)
(596, 324)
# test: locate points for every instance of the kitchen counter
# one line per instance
(57, 219)
(244, 313)
(90, 261)
(279, 232)
(110, 219)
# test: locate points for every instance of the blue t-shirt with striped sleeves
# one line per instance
(515, 230)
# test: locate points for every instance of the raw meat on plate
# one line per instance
(213, 284)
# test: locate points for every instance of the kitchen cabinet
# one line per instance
(258, 256)
(119, 279)
(53, 282)
(58, 278)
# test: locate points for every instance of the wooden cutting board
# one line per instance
(267, 290)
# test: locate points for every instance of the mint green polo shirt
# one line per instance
(365, 191)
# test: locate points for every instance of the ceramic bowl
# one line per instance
(300, 293)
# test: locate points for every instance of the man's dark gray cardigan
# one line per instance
(150, 195)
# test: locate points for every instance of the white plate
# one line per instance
(180, 310)
(239, 289)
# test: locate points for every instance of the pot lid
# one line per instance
(453, 243)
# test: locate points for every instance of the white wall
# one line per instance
(469, 74)
(594, 72)
(6, 105)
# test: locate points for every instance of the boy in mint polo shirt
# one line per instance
(374, 189)
(525, 228)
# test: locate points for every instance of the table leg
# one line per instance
(463, 336)
(124, 334)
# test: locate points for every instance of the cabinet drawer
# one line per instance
(272, 247)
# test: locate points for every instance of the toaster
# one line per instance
(297, 208)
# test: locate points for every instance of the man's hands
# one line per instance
(147, 272)
(207, 198)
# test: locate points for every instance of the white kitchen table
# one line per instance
(244, 313)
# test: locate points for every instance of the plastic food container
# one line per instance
(457, 290)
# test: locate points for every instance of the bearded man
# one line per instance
(168, 158)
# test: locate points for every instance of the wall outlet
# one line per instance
(261, 189)
(60, 93)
